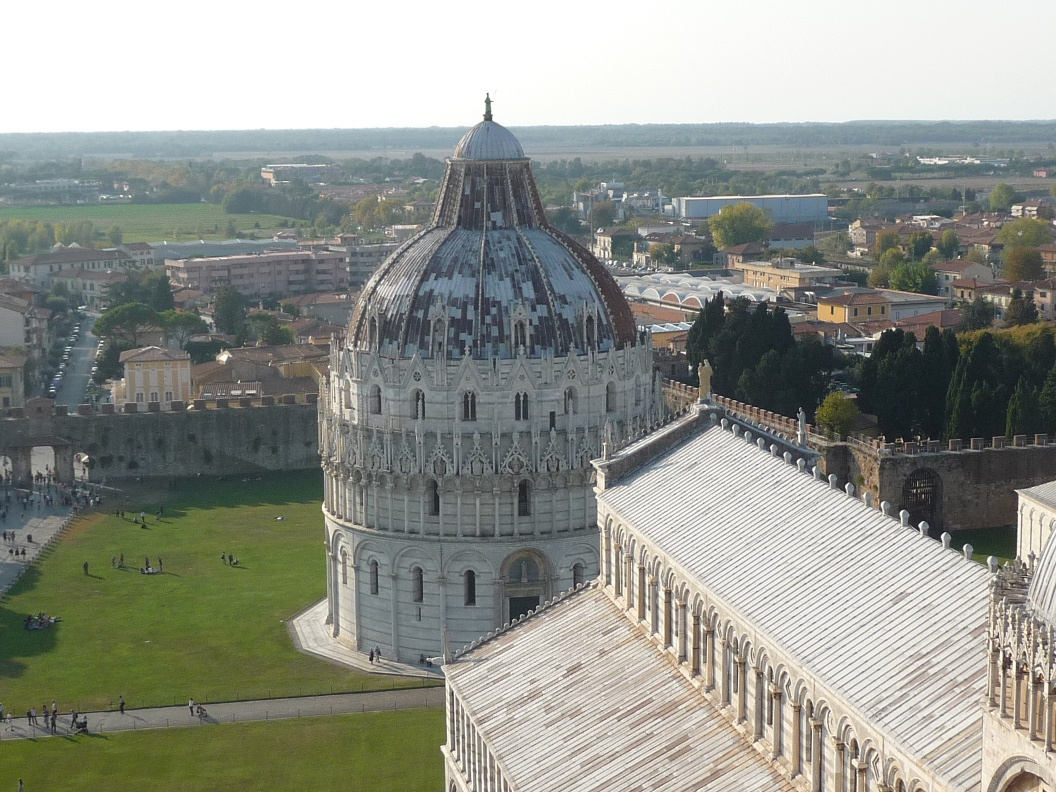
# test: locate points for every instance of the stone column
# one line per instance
(992, 676)
(22, 465)
(1048, 716)
(667, 617)
(709, 659)
(441, 581)
(682, 648)
(333, 579)
(628, 567)
(742, 690)
(760, 704)
(779, 726)
(840, 763)
(861, 769)
(1032, 707)
(695, 656)
(654, 600)
(641, 592)
(816, 763)
(1004, 688)
(395, 619)
(1017, 696)
(617, 571)
(797, 738)
(723, 646)
(329, 585)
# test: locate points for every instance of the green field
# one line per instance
(154, 223)
(203, 628)
(381, 752)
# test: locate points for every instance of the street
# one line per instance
(78, 370)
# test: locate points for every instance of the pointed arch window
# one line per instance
(589, 333)
(372, 333)
(610, 397)
(520, 406)
(418, 584)
(418, 404)
(469, 406)
(524, 499)
(373, 577)
(520, 334)
(469, 583)
(577, 574)
(439, 335)
(344, 568)
(375, 400)
(571, 401)
(433, 495)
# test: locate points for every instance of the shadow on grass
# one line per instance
(207, 492)
(16, 642)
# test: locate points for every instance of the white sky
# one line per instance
(227, 64)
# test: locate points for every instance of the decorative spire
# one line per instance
(487, 107)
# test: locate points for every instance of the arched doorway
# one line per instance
(922, 497)
(42, 462)
(526, 582)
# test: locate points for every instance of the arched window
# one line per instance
(469, 406)
(577, 574)
(571, 401)
(432, 492)
(469, 582)
(589, 333)
(418, 581)
(417, 404)
(373, 577)
(520, 335)
(524, 499)
(344, 568)
(610, 397)
(439, 332)
(520, 406)
(523, 570)
(375, 400)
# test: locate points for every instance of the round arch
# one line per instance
(922, 497)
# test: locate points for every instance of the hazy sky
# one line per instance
(117, 65)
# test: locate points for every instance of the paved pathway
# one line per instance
(234, 712)
(44, 525)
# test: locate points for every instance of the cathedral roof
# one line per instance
(488, 264)
(881, 617)
(600, 706)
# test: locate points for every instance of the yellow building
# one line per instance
(785, 275)
(853, 307)
(153, 374)
(12, 384)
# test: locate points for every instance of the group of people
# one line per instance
(375, 654)
(118, 562)
(229, 559)
(40, 622)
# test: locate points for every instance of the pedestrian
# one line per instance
(86, 567)
(143, 517)
(54, 724)
(146, 562)
(32, 716)
(190, 706)
(161, 566)
(377, 653)
(372, 657)
(121, 704)
(73, 720)
(54, 707)
(21, 788)
(113, 562)
(223, 558)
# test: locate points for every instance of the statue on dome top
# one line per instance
(487, 106)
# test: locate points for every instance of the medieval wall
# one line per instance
(233, 440)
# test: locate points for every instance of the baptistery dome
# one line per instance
(488, 361)
(489, 275)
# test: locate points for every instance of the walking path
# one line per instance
(44, 525)
(233, 712)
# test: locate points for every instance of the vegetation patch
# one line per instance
(202, 628)
(376, 750)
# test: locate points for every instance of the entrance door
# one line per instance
(521, 605)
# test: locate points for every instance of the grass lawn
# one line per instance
(999, 542)
(382, 751)
(152, 222)
(203, 628)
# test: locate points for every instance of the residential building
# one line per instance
(12, 378)
(791, 236)
(39, 268)
(732, 257)
(854, 306)
(263, 274)
(363, 258)
(288, 172)
(614, 244)
(88, 287)
(1032, 209)
(786, 276)
(154, 376)
(142, 253)
(1048, 257)
(906, 305)
(947, 272)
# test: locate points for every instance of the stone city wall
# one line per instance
(221, 440)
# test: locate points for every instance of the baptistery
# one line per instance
(488, 360)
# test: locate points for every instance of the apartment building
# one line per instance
(263, 274)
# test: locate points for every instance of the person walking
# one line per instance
(161, 566)
(190, 706)
(121, 704)
(86, 567)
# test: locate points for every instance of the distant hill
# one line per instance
(196, 144)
